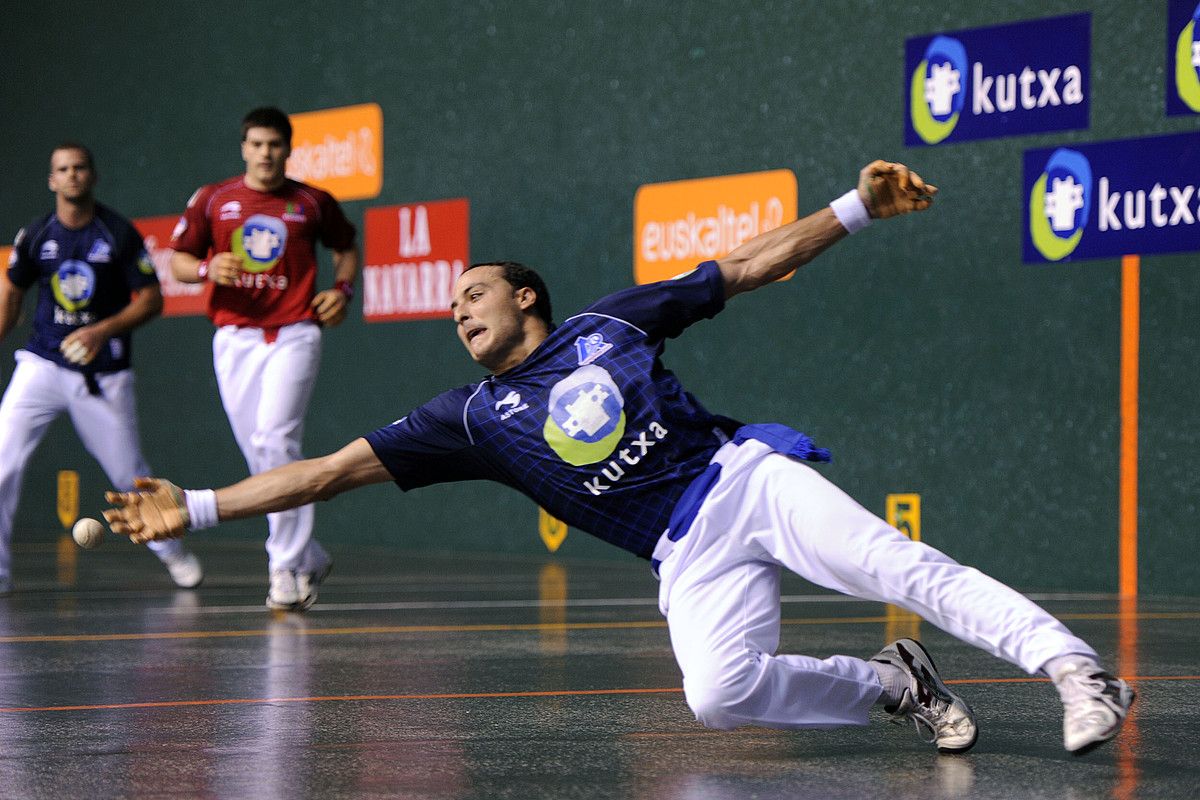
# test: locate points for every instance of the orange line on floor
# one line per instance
(505, 628)
(351, 698)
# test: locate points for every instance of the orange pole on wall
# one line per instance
(1127, 505)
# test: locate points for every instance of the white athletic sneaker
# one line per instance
(283, 594)
(185, 569)
(307, 583)
(1095, 705)
(942, 717)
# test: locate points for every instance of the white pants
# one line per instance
(720, 595)
(265, 389)
(38, 393)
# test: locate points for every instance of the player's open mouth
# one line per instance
(471, 334)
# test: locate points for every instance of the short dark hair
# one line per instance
(522, 277)
(268, 117)
(71, 145)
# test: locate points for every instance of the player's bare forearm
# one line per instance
(146, 304)
(331, 305)
(302, 482)
(885, 189)
(185, 267)
(346, 264)
(157, 509)
(771, 255)
(82, 344)
(10, 305)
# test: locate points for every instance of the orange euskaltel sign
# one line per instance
(339, 150)
(677, 225)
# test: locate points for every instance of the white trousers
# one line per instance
(38, 393)
(720, 595)
(265, 389)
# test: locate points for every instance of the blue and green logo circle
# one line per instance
(1187, 63)
(1059, 204)
(259, 242)
(73, 284)
(587, 416)
(938, 89)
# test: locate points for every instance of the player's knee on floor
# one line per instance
(724, 699)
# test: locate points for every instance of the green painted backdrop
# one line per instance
(923, 352)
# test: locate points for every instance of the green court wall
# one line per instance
(923, 352)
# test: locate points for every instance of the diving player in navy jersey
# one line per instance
(583, 418)
(86, 261)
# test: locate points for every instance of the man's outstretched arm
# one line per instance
(157, 509)
(885, 189)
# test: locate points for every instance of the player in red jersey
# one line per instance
(261, 229)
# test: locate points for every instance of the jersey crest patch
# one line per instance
(587, 416)
(73, 285)
(591, 347)
(259, 242)
(101, 252)
(49, 250)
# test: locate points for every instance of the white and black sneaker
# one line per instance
(185, 569)
(941, 717)
(1095, 705)
(307, 584)
(283, 594)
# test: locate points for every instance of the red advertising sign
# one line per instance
(414, 254)
(179, 299)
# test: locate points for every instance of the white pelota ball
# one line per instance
(87, 533)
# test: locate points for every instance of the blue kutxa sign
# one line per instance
(1024, 77)
(1105, 200)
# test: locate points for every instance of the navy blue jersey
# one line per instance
(84, 276)
(590, 425)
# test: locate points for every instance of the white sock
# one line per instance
(893, 680)
(1061, 666)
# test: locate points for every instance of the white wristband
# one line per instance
(202, 508)
(851, 211)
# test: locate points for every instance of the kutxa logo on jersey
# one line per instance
(73, 284)
(1110, 199)
(586, 423)
(1025, 77)
(260, 242)
(1183, 57)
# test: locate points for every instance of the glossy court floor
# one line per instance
(456, 677)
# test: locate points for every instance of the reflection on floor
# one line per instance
(425, 677)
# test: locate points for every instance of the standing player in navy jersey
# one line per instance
(583, 418)
(87, 261)
(262, 228)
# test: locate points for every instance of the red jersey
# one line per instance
(275, 235)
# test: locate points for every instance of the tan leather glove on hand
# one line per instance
(889, 189)
(155, 510)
